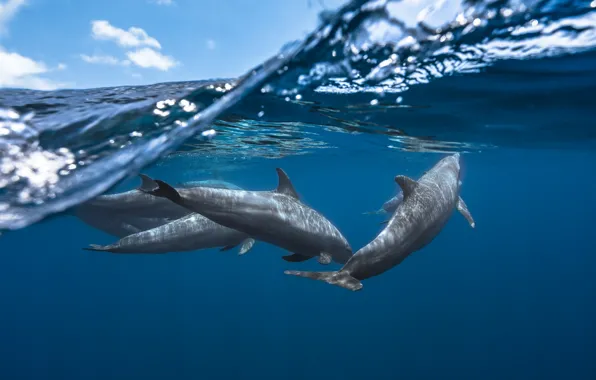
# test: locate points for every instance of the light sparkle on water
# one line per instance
(208, 134)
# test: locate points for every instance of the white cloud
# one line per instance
(23, 72)
(133, 37)
(17, 70)
(145, 54)
(7, 11)
(164, 2)
(147, 57)
(211, 44)
(104, 60)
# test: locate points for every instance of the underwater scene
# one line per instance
(409, 191)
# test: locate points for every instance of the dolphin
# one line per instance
(214, 183)
(427, 206)
(133, 211)
(390, 206)
(277, 217)
(189, 233)
(118, 224)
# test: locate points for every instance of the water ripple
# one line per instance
(433, 76)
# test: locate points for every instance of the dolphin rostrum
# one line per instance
(189, 233)
(428, 203)
(133, 211)
(277, 217)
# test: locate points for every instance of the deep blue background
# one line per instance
(513, 298)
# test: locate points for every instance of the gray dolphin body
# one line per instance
(118, 224)
(390, 206)
(214, 183)
(133, 211)
(189, 233)
(276, 217)
(428, 203)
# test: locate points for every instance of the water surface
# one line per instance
(370, 94)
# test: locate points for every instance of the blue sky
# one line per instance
(48, 44)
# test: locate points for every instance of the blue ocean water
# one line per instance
(511, 298)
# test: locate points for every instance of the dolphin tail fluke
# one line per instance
(161, 189)
(341, 279)
(463, 209)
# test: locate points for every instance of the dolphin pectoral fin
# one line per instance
(246, 246)
(130, 228)
(341, 279)
(284, 185)
(324, 258)
(407, 184)
(378, 212)
(97, 247)
(384, 222)
(463, 209)
(147, 184)
(227, 247)
(296, 258)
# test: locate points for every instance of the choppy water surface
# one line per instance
(443, 76)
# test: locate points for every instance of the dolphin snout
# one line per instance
(457, 160)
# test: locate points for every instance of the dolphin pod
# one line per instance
(227, 216)
(428, 203)
(135, 211)
(277, 217)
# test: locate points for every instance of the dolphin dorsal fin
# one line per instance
(284, 185)
(407, 184)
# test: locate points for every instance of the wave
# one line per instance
(436, 76)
